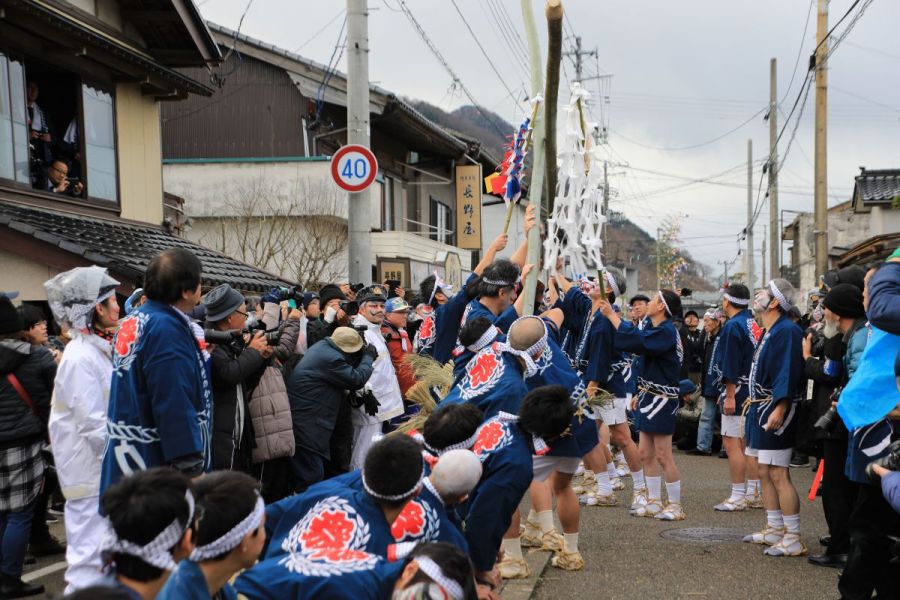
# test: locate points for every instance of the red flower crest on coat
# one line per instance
(755, 330)
(410, 523)
(126, 336)
(328, 531)
(426, 330)
(489, 437)
(483, 368)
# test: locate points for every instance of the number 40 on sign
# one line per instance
(353, 167)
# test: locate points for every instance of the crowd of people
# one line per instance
(366, 441)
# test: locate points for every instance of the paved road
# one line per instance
(627, 557)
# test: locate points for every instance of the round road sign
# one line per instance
(353, 167)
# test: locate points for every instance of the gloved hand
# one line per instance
(370, 403)
(371, 350)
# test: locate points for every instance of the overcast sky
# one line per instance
(683, 73)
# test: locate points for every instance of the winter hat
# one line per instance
(328, 293)
(347, 340)
(686, 387)
(309, 298)
(639, 298)
(10, 319)
(373, 293)
(221, 301)
(845, 300)
(396, 305)
(73, 294)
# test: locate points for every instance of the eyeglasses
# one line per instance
(242, 313)
(60, 171)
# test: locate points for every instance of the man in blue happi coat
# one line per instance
(160, 404)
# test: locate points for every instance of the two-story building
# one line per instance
(81, 85)
(252, 164)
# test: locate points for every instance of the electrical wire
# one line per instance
(692, 146)
(487, 57)
(320, 31)
(809, 13)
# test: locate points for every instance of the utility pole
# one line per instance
(578, 53)
(658, 257)
(359, 225)
(774, 266)
(750, 258)
(763, 259)
(821, 167)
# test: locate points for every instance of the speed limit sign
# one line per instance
(353, 167)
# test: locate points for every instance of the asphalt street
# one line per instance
(628, 557)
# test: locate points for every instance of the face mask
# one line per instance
(251, 321)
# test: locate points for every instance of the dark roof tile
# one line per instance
(878, 186)
(128, 247)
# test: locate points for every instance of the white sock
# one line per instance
(673, 490)
(752, 487)
(570, 542)
(604, 487)
(620, 457)
(611, 470)
(512, 547)
(775, 519)
(792, 523)
(637, 477)
(654, 488)
(737, 492)
(545, 520)
(532, 518)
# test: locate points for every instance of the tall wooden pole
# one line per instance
(775, 252)
(821, 166)
(751, 258)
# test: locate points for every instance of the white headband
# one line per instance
(394, 497)
(779, 296)
(499, 282)
(466, 444)
(230, 540)
(527, 354)
(156, 552)
(434, 571)
(486, 338)
(439, 284)
(737, 301)
(612, 283)
(666, 304)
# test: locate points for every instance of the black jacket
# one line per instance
(318, 330)
(693, 352)
(35, 369)
(231, 368)
(824, 384)
(316, 390)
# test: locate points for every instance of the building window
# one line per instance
(439, 221)
(57, 132)
(387, 203)
(14, 158)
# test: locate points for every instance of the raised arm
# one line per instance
(521, 252)
(498, 245)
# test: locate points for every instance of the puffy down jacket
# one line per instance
(270, 413)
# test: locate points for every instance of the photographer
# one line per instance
(843, 337)
(234, 365)
(381, 400)
(332, 303)
(317, 390)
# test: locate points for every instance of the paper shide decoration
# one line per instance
(574, 228)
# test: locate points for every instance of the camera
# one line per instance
(224, 338)
(271, 337)
(281, 294)
(350, 307)
(828, 422)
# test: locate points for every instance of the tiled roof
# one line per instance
(879, 186)
(128, 247)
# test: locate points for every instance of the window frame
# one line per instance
(47, 198)
(436, 232)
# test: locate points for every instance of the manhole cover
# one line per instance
(715, 535)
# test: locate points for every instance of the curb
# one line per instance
(523, 589)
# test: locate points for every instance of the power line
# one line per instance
(507, 43)
(320, 31)
(489, 60)
(447, 67)
(692, 146)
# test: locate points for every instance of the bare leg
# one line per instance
(540, 496)
(567, 508)
(769, 494)
(620, 435)
(647, 452)
(737, 464)
(663, 451)
(788, 500)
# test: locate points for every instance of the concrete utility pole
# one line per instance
(774, 266)
(762, 257)
(658, 257)
(605, 233)
(821, 166)
(578, 53)
(359, 222)
(750, 254)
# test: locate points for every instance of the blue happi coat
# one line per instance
(476, 309)
(328, 515)
(423, 519)
(492, 381)
(661, 353)
(735, 345)
(187, 582)
(462, 356)
(437, 334)
(331, 574)
(776, 375)
(160, 403)
(554, 368)
(505, 452)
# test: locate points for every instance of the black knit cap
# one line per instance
(845, 300)
(330, 292)
(10, 319)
